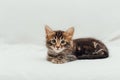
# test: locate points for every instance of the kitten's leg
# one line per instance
(100, 51)
(65, 58)
(50, 58)
(57, 59)
(71, 58)
(60, 59)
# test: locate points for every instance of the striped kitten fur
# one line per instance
(62, 48)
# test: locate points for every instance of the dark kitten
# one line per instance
(62, 48)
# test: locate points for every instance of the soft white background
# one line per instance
(22, 37)
(23, 20)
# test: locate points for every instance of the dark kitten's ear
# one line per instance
(48, 30)
(70, 32)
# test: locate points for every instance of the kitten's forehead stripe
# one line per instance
(59, 34)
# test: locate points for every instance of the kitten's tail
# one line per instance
(100, 56)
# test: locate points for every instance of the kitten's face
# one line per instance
(58, 40)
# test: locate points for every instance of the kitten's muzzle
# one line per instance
(57, 47)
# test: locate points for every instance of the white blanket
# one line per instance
(28, 62)
(22, 38)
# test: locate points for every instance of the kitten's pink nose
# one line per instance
(57, 47)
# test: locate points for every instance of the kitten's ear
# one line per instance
(48, 30)
(70, 32)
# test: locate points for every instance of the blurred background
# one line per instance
(23, 21)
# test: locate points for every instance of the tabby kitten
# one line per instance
(62, 48)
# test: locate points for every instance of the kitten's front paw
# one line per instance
(71, 58)
(57, 61)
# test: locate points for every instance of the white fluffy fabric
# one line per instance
(22, 38)
(28, 62)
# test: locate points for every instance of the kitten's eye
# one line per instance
(63, 42)
(53, 41)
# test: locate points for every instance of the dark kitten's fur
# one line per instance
(62, 48)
